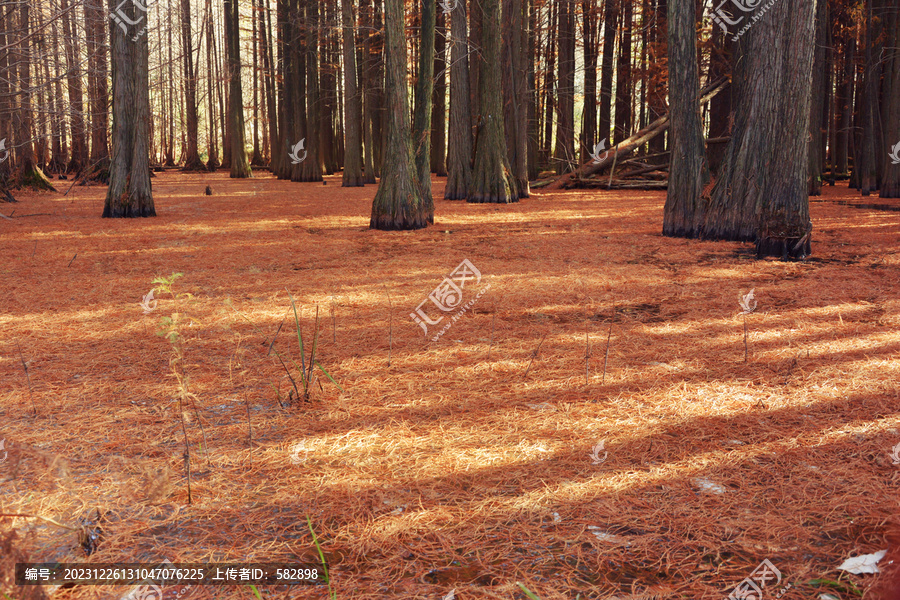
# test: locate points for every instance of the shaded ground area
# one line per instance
(442, 465)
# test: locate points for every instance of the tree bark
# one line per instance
(688, 167)
(130, 193)
(423, 102)
(761, 193)
(890, 181)
(353, 175)
(398, 203)
(515, 93)
(459, 155)
(192, 160)
(95, 18)
(492, 178)
(369, 96)
(565, 104)
(818, 102)
(240, 166)
(439, 103)
(610, 20)
(868, 159)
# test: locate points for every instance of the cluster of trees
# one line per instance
(489, 93)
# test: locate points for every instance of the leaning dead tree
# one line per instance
(632, 143)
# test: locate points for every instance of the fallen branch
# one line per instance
(630, 144)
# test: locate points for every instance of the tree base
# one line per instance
(402, 223)
(194, 166)
(34, 179)
(785, 248)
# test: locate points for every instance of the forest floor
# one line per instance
(472, 462)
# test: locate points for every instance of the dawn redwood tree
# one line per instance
(353, 175)
(610, 20)
(130, 193)
(492, 178)
(398, 203)
(95, 17)
(240, 165)
(311, 168)
(761, 193)
(459, 146)
(818, 102)
(565, 107)
(624, 84)
(439, 102)
(688, 169)
(79, 151)
(515, 92)
(589, 120)
(890, 181)
(192, 160)
(423, 102)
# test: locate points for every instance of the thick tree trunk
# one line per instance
(761, 193)
(353, 175)
(439, 103)
(130, 193)
(492, 178)
(423, 97)
(720, 65)
(398, 203)
(240, 166)
(688, 167)
(459, 148)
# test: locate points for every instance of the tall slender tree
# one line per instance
(240, 165)
(423, 101)
(439, 103)
(192, 160)
(565, 105)
(353, 175)
(459, 154)
(398, 203)
(95, 18)
(610, 20)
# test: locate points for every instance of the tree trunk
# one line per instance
(27, 172)
(240, 166)
(423, 102)
(688, 168)
(624, 88)
(130, 193)
(565, 97)
(256, 159)
(589, 118)
(276, 150)
(192, 160)
(459, 148)
(398, 203)
(531, 113)
(514, 93)
(439, 106)
(352, 176)
(79, 152)
(844, 105)
(762, 191)
(492, 178)
(311, 168)
(867, 159)
(890, 182)
(95, 18)
(656, 71)
(818, 102)
(212, 161)
(369, 96)
(610, 20)
(720, 65)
